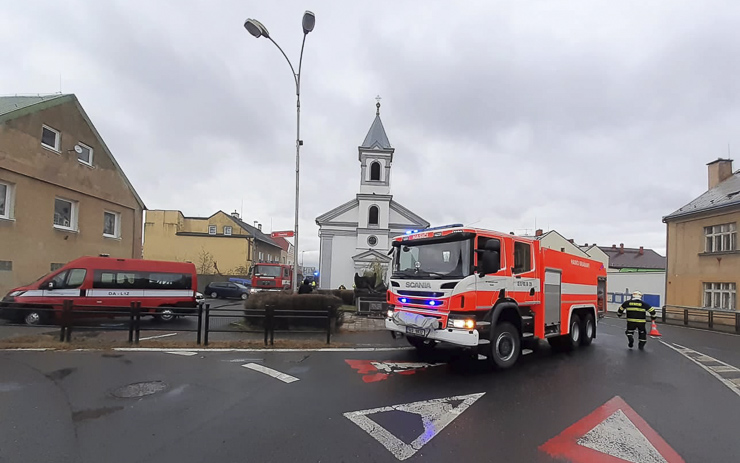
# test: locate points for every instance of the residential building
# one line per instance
(358, 233)
(221, 243)
(703, 256)
(286, 250)
(62, 193)
(634, 269)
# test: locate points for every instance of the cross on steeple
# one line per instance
(377, 105)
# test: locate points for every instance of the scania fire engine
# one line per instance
(488, 292)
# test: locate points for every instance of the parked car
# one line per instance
(226, 289)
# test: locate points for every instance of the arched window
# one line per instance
(372, 218)
(375, 171)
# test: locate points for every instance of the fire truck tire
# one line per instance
(589, 328)
(34, 317)
(575, 333)
(505, 346)
(165, 315)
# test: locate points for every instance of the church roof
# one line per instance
(376, 137)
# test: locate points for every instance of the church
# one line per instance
(358, 233)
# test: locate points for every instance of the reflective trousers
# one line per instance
(640, 327)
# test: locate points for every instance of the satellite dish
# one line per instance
(78, 149)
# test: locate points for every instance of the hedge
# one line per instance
(346, 295)
(296, 302)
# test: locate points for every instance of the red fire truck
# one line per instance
(488, 292)
(271, 277)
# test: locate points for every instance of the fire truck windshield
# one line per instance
(449, 259)
(267, 271)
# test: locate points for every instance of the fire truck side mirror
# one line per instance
(489, 262)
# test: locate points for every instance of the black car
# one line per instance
(226, 289)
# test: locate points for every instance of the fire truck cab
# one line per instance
(489, 292)
(270, 277)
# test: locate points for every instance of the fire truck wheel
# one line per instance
(505, 345)
(575, 334)
(589, 328)
(34, 317)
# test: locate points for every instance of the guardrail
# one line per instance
(70, 316)
(712, 318)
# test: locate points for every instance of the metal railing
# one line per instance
(71, 317)
(712, 318)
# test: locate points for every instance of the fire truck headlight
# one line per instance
(389, 313)
(252, 290)
(461, 323)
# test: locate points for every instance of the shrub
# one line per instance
(346, 295)
(295, 302)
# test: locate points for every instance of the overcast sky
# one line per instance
(593, 118)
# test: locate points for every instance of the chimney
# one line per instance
(235, 214)
(641, 251)
(538, 232)
(614, 246)
(719, 171)
(570, 241)
(259, 226)
(621, 248)
(585, 245)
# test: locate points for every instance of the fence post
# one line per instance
(67, 320)
(685, 316)
(266, 322)
(711, 319)
(137, 322)
(200, 323)
(208, 323)
(737, 323)
(328, 325)
(662, 313)
(131, 323)
(272, 325)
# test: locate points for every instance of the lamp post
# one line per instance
(257, 29)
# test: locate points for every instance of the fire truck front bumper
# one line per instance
(429, 328)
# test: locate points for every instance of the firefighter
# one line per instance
(305, 288)
(637, 311)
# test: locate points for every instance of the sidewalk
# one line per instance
(354, 322)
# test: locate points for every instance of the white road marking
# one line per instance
(435, 414)
(619, 437)
(181, 352)
(158, 336)
(713, 370)
(286, 378)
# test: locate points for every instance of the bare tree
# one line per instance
(205, 262)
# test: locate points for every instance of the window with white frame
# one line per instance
(720, 296)
(65, 214)
(227, 231)
(261, 256)
(211, 229)
(720, 238)
(111, 224)
(85, 155)
(50, 138)
(6, 200)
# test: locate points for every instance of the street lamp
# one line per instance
(257, 29)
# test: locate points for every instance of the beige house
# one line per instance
(703, 256)
(221, 243)
(62, 193)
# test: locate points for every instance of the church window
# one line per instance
(373, 213)
(375, 171)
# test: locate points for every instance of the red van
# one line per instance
(165, 289)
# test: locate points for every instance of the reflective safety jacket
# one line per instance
(637, 310)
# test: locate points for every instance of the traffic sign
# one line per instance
(373, 371)
(613, 433)
(282, 234)
(435, 415)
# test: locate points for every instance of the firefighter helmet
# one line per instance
(636, 295)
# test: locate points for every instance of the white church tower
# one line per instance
(358, 233)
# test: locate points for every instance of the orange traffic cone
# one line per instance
(654, 333)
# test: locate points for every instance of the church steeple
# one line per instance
(376, 137)
(376, 156)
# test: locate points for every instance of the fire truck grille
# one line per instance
(421, 293)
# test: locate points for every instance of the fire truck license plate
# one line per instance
(416, 331)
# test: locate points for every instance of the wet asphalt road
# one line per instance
(61, 406)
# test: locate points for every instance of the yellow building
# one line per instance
(703, 257)
(221, 243)
(62, 193)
